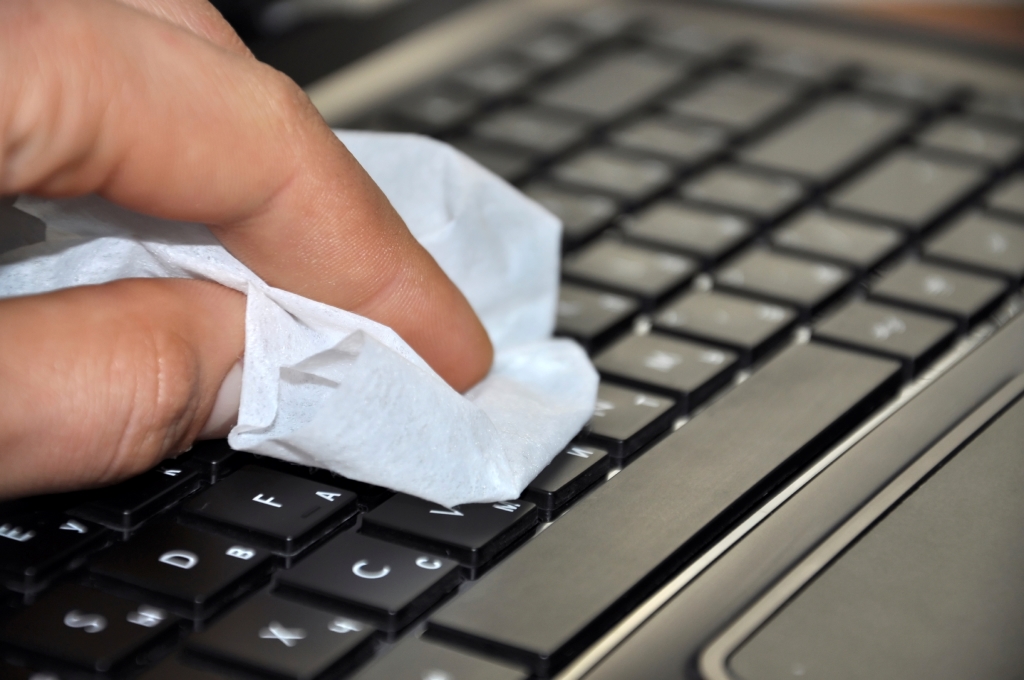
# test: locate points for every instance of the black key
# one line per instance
(417, 659)
(804, 283)
(86, 628)
(813, 67)
(965, 297)
(270, 636)
(582, 214)
(761, 195)
(691, 40)
(382, 583)
(505, 162)
(554, 46)
(569, 474)
(174, 669)
(626, 419)
(541, 130)
(688, 371)
(274, 510)
(18, 228)
(497, 76)
(8, 672)
(1009, 197)
(631, 269)
(853, 242)
(709, 234)
(982, 241)
(829, 138)
(128, 504)
(549, 600)
(472, 534)
(739, 101)
(979, 139)
(590, 316)
(36, 547)
(437, 109)
(907, 85)
(628, 177)
(915, 339)
(909, 188)
(612, 86)
(1006, 105)
(190, 572)
(749, 326)
(677, 141)
(214, 457)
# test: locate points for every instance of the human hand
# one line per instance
(157, 106)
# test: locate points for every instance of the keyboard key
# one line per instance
(125, 506)
(691, 40)
(497, 76)
(1009, 196)
(573, 581)
(982, 140)
(86, 628)
(860, 244)
(174, 669)
(909, 188)
(748, 326)
(982, 241)
(916, 339)
(582, 214)
(472, 534)
(437, 109)
(554, 46)
(613, 86)
(190, 572)
(628, 177)
(1007, 105)
(382, 583)
(709, 234)
(215, 458)
(761, 195)
(687, 371)
(631, 269)
(36, 547)
(804, 283)
(541, 130)
(797, 63)
(569, 474)
(907, 85)
(419, 659)
(738, 101)
(675, 140)
(273, 510)
(270, 636)
(625, 419)
(965, 297)
(505, 162)
(591, 317)
(828, 139)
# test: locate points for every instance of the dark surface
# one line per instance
(36, 546)
(625, 419)
(943, 574)
(279, 511)
(128, 504)
(85, 628)
(385, 584)
(416, 659)
(592, 316)
(174, 669)
(560, 589)
(570, 473)
(471, 534)
(282, 639)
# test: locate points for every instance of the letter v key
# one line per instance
(450, 512)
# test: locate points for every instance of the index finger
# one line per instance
(102, 98)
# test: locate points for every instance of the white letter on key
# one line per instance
(266, 501)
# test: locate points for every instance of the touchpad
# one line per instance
(934, 590)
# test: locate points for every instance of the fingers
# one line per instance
(102, 98)
(102, 382)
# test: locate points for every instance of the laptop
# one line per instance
(794, 247)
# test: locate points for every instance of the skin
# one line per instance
(157, 106)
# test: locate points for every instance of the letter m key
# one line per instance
(507, 506)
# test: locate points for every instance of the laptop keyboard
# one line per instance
(760, 248)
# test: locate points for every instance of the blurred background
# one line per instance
(308, 39)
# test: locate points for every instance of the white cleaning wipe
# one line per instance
(327, 388)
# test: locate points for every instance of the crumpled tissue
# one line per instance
(327, 388)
